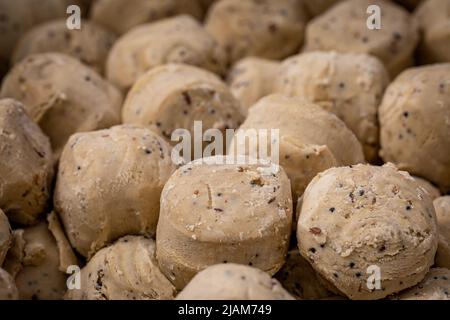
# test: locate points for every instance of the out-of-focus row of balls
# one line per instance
(267, 29)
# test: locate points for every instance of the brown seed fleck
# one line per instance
(41, 154)
(257, 182)
(187, 98)
(273, 27)
(395, 190)
(315, 230)
(352, 197)
(397, 36)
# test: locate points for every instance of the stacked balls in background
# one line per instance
(357, 205)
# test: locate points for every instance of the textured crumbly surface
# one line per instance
(415, 123)
(8, 289)
(109, 184)
(343, 28)
(63, 96)
(299, 278)
(180, 40)
(348, 85)
(354, 218)
(262, 28)
(310, 138)
(442, 207)
(435, 286)
(121, 16)
(433, 17)
(251, 79)
(174, 96)
(233, 282)
(25, 164)
(126, 270)
(433, 192)
(90, 44)
(213, 213)
(35, 264)
(67, 256)
(5, 236)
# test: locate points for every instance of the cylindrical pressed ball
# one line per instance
(90, 44)
(121, 16)
(63, 96)
(213, 213)
(415, 123)
(26, 169)
(180, 39)
(364, 220)
(347, 84)
(435, 286)
(233, 282)
(174, 96)
(109, 184)
(125, 270)
(433, 17)
(345, 28)
(261, 28)
(310, 138)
